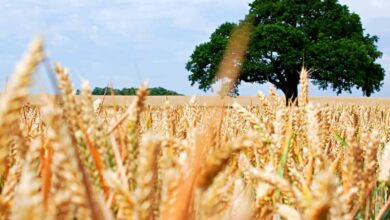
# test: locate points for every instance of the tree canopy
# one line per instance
(287, 34)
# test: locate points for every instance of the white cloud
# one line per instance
(92, 18)
(369, 9)
(135, 19)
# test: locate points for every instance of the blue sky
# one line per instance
(127, 42)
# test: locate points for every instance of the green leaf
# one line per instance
(343, 142)
(284, 157)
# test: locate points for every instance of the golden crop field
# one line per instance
(216, 101)
(78, 158)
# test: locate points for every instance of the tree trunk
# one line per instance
(291, 93)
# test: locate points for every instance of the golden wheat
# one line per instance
(77, 159)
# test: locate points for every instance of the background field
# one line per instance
(216, 101)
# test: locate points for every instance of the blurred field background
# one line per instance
(217, 101)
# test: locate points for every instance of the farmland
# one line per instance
(124, 158)
(218, 101)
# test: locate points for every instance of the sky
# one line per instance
(128, 42)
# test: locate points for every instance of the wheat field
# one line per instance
(81, 158)
(216, 101)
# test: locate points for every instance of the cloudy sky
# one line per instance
(128, 41)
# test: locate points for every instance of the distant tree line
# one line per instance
(156, 91)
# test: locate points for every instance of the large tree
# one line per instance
(286, 34)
